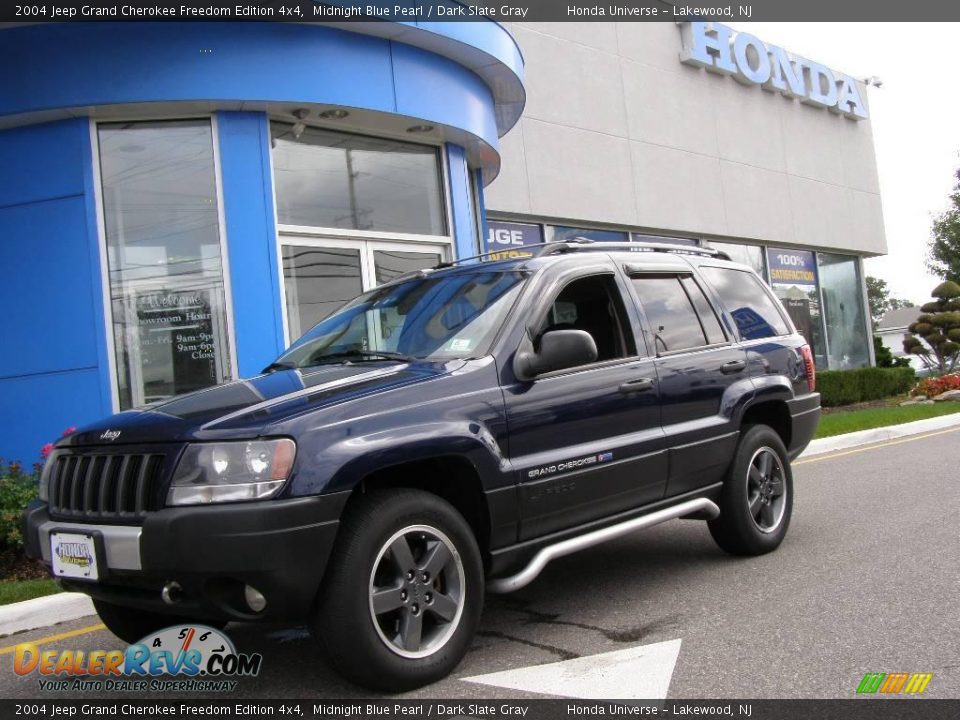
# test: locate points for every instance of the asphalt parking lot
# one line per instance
(866, 581)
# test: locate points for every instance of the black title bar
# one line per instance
(451, 11)
(523, 709)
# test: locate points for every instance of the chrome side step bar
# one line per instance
(705, 507)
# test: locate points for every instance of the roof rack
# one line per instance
(581, 244)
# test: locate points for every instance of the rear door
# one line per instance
(700, 369)
(586, 441)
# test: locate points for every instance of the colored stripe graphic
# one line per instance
(871, 682)
(918, 683)
(894, 683)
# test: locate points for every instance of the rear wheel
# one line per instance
(757, 497)
(402, 596)
(131, 625)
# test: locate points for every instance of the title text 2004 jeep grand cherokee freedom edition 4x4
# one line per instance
(449, 432)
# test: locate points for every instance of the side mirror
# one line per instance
(559, 349)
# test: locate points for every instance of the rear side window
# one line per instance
(755, 312)
(672, 314)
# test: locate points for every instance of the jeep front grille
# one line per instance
(105, 486)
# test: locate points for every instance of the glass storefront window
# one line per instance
(558, 233)
(320, 276)
(793, 277)
(509, 239)
(318, 280)
(843, 314)
(666, 239)
(749, 255)
(164, 260)
(333, 180)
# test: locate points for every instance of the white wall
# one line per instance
(617, 130)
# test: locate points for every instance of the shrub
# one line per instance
(845, 387)
(17, 488)
(933, 386)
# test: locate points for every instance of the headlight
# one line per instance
(231, 471)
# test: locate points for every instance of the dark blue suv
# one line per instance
(444, 434)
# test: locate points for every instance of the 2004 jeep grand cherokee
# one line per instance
(444, 434)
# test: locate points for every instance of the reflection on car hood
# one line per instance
(254, 403)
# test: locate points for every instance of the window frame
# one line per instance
(365, 250)
(540, 314)
(677, 275)
(766, 289)
(444, 184)
(287, 234)
(103, 251)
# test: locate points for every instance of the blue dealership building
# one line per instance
(179, 201)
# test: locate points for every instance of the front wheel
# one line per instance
(757, 497)
(402, 596)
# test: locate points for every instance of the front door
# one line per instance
(586, 441)
(321, 274)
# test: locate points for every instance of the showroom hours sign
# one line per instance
(177, 343)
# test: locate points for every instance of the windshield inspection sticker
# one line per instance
(569, 465)
(459, 344)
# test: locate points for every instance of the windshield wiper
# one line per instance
(362, 354)
(274, 366)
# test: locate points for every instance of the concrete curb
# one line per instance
(43, 611)
(866, 437)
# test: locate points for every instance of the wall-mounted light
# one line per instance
(333, 114)
(299, 126)
(873, 80)
(420, 129)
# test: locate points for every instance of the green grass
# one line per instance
(12, 591)
(838, 423)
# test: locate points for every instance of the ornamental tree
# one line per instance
(935, 336)
(943, 250)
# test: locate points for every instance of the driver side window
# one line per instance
(592, 304)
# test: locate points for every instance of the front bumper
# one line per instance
(279, 547)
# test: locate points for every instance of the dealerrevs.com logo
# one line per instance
(181, 658)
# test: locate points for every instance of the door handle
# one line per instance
(639, 385)
(734, 366)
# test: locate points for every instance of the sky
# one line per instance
(916, 125)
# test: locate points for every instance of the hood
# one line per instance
(245, 407)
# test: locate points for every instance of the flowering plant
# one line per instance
(933, 386)
(48, 448)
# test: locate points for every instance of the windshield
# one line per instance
(435, 318)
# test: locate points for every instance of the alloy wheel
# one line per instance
(416, 591)
(766, 490)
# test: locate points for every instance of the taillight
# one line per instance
(810, 367)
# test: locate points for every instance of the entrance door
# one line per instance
(321, 274)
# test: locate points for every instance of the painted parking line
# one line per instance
(638, 673)
(874, 446)
(59, 636)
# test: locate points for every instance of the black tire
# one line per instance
(753, 517)
(131, 624)
(366, 644)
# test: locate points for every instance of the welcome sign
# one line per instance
(746, 58)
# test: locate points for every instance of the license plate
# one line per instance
(74, 555)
